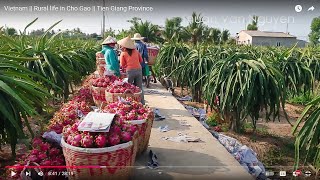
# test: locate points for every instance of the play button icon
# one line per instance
(13, 173)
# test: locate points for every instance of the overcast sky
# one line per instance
(233, 15)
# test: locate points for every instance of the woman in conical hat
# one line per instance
(110, 56)
(142, 48)
(130, 59)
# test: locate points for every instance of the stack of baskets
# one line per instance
(152, 54)
(99, 95)
(101, 63)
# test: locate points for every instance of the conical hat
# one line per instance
(109, 40)
(137, 36)
(127, 43)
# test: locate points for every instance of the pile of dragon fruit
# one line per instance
(123, 87)
(68, 114)
(120, 132)
(44, 154)
(84, 94)
(129, 110)
(104, 81)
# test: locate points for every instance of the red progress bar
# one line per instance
(56, 167)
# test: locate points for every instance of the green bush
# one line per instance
(212, 120)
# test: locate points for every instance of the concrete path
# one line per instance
(200, 160)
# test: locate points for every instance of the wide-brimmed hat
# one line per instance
(137, 36)
(127, 43)
(109, 40)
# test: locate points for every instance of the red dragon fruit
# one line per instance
(72, 116)
(131, 116)
(46, 163)
(118, 121)
(87, 141)
(140, 117)
(44, 146)
(67, 130)
(57, 161)
(132, 129)
(67, 121)
(114, 139)
(74, 128)
(115, 130)
(76, 140)
(36, 142)
(136, 105)
(42, 156)
(35, 152)
(70, 139)
(33, 158)
(121, 112)
(141, 110)
(101, 141)
(125, 136)
(54, 152)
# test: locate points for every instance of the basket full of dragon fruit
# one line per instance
(124, 90)
(115, 150)
(101, 63)
(99, 86)
(134, 113)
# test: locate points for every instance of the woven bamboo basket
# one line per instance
(96, 74)
(152, 54)
(98, 94)
(113, 97)
(101, 69)
(100, 61)
(144, 132)
(115, 162)
(99, 55)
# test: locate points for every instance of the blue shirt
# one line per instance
(142, 48)
(111, 59)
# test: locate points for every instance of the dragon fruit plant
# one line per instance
(119, 132)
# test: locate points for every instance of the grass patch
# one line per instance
(302, 99)
(248, 128)
(282, 155)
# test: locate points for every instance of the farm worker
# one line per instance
(146, 41)
(130, 59)
(142, 48)
(110, 56)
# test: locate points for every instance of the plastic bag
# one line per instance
(108, 72)
(52, 136)
(247, 158)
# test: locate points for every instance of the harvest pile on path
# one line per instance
(65, 123)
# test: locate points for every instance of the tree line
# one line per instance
(196, 31)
